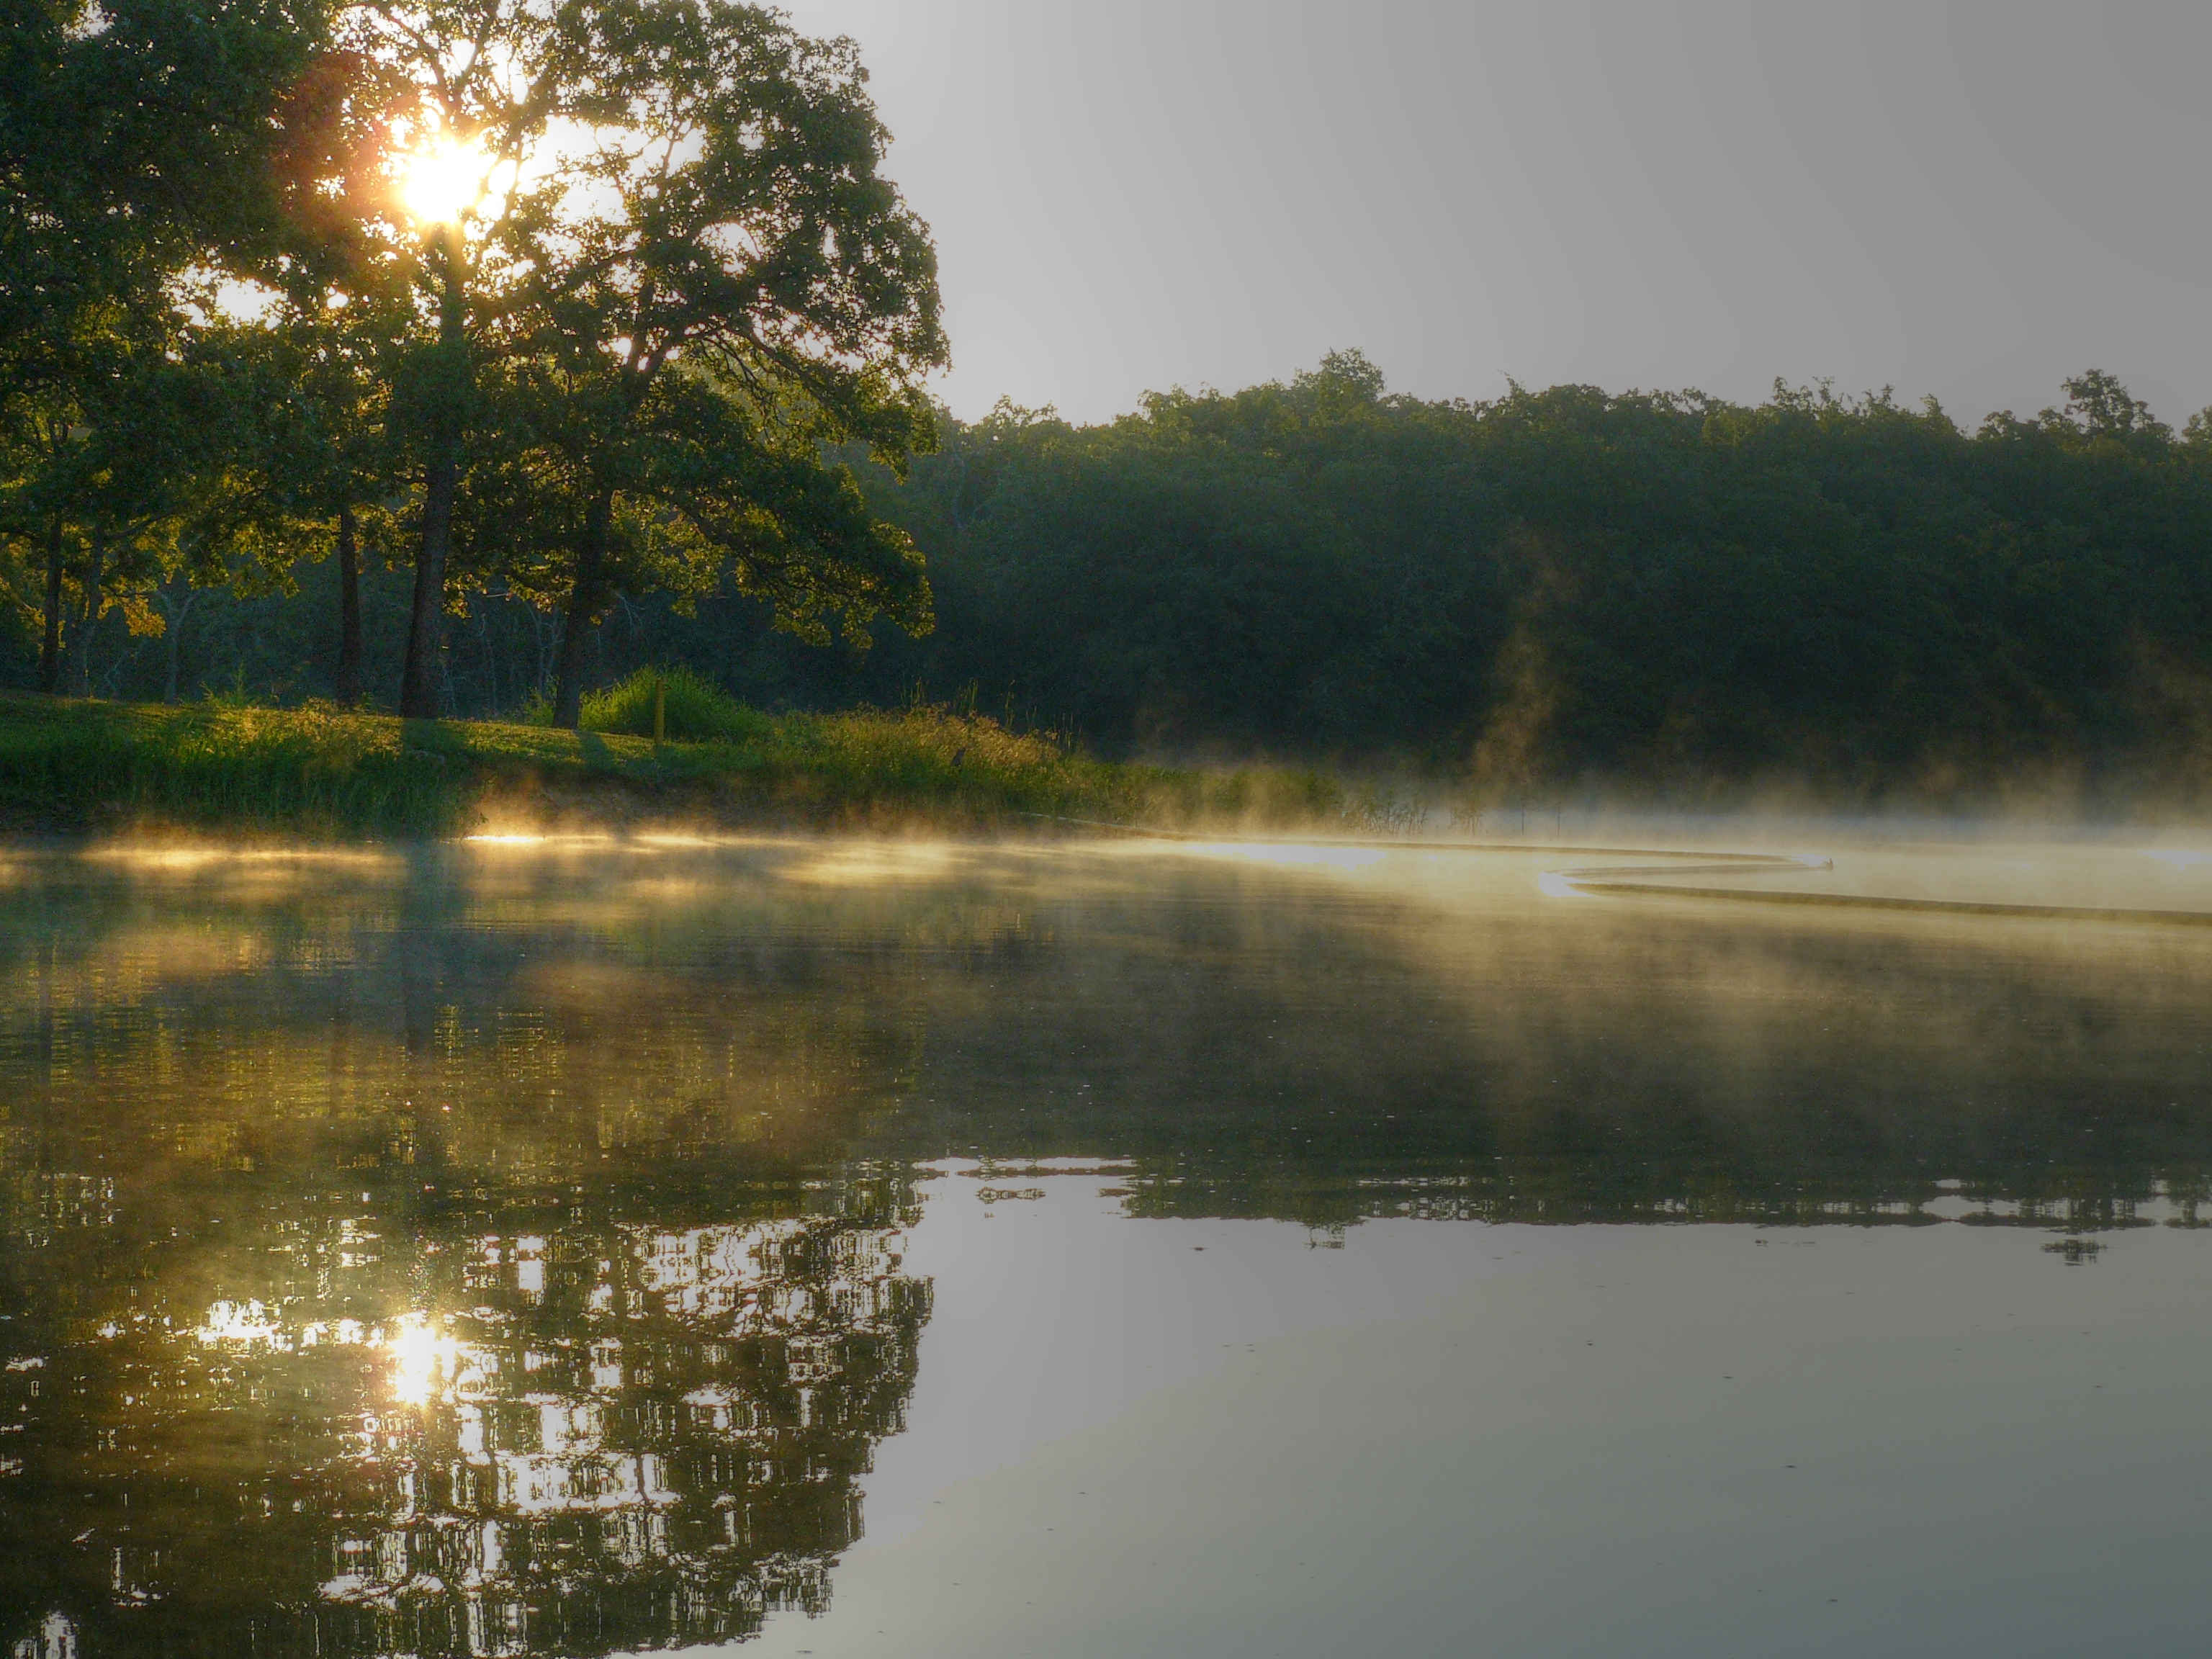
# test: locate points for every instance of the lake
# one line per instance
(851, 1247)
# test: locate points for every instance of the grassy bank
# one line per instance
(79, 766)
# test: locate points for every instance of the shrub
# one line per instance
(697, 711)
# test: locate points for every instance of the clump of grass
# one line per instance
(964, 764)
(696, 709)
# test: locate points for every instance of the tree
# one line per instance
(465, 93)
(343, 272)
(2099, 406)
(299, 461)
(717, 284)
(100, 462)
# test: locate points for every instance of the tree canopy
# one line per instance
(596, 286)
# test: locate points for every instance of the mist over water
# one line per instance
(577, 1248)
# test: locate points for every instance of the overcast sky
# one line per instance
(1967, 200)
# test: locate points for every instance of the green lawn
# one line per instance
(74, 765)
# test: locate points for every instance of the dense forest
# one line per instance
(1566, 583)
(478, 474)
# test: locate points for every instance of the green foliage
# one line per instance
(136, 136)
(694, 709)
(725, 285)
(136, 142)
(615, 367)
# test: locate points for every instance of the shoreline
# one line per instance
(77, 768)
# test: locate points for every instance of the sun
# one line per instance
(445, 179)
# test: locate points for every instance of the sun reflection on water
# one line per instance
(146, 857)
(423, 1359)
(871, 863)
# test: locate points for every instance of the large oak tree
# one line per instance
(715, 282)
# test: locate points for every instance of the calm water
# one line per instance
(850, 1249)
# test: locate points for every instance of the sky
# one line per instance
(1967, 201)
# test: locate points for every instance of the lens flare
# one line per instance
(445, 181)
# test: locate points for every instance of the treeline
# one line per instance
(1557, 587)
(1566, 584)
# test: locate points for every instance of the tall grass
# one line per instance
(323, 772)
(318, 771)
(875, 765)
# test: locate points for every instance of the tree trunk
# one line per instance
(491, 658)
(349, 674)
(50, 648)
(583, 600)
(175, 616)
(420, 679)
(81, 655)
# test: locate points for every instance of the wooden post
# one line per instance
(660, 709)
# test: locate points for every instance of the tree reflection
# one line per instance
(384, 1278)
(566, 1421)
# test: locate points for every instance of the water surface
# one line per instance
(850, 1247)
